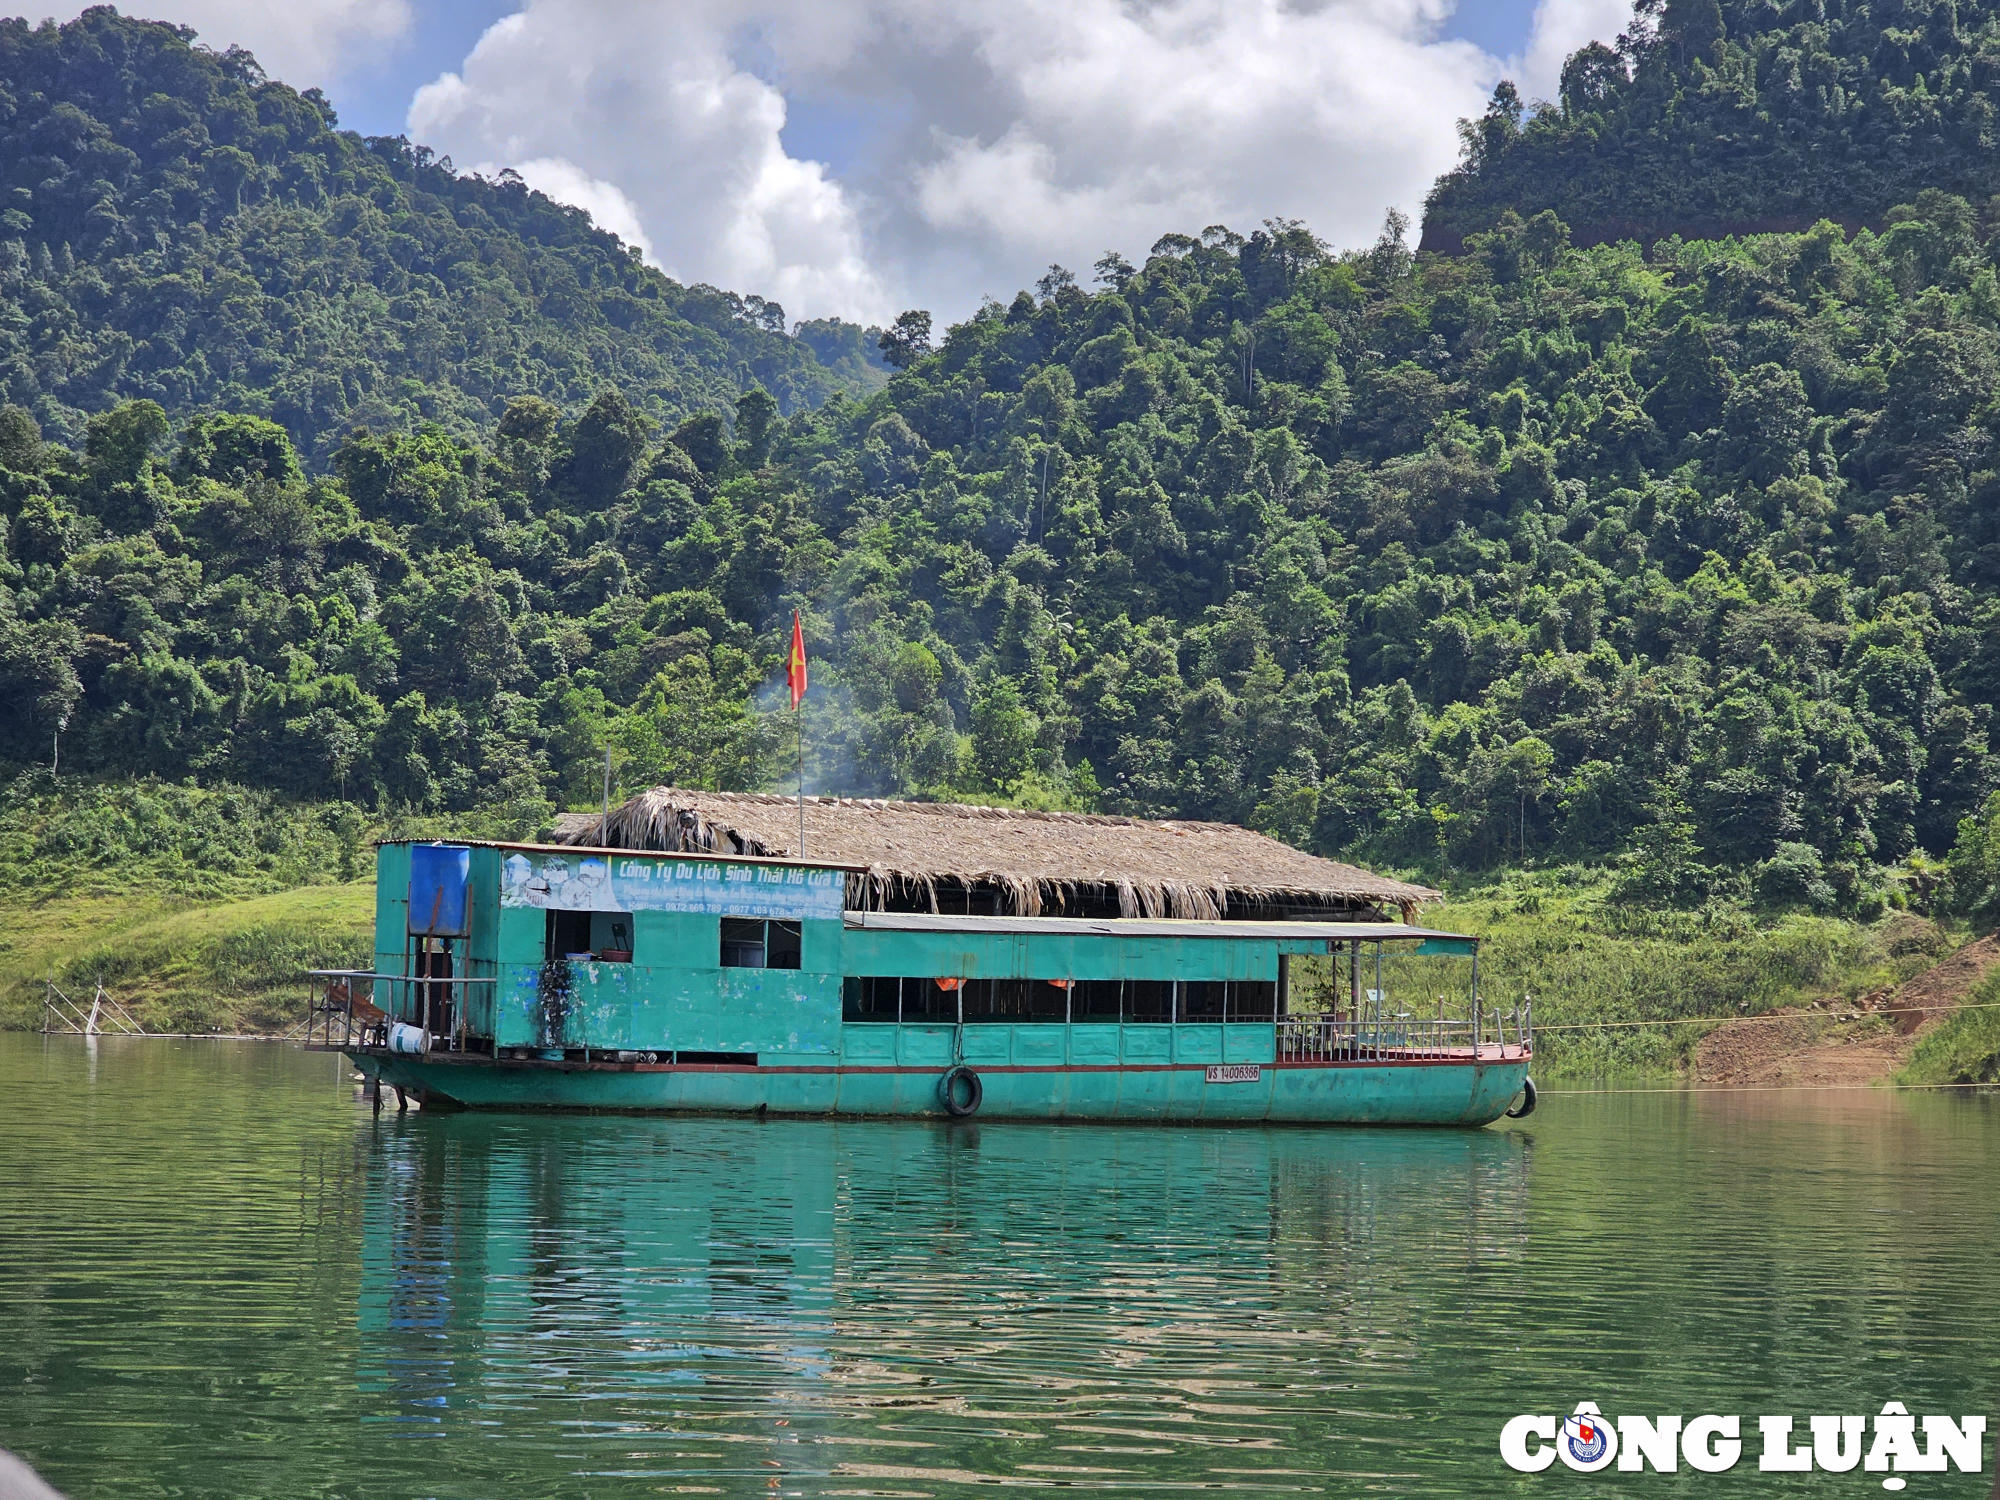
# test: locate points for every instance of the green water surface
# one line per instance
(220, 1276)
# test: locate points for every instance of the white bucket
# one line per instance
(409, 1039)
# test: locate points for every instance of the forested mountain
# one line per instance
(178, 228)
(1537, 552)
(1684, 559)
(1745, 115)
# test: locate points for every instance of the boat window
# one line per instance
(611, 936)
(870, 999)
(1095, 1000)
(1253, 999)
(567, 934)
(751, 943)
(599, 936)
(1016, 1000)
(930, 1000)
(1150, 1000)
(1156, 1001)
(742, 943)
(1201, 1000)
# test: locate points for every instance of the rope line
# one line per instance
(1782, 1088)
(1767, 1017)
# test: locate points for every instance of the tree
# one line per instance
(1486, 139)
(1664, 863)
(1592, 78)
(1693, 385)
(1766, 420)
(1054, 280)
(756, 416)
(907, 340)
(20, 441)
(233, 446)
(38, 676)
(1973, 867)
(120, 445)
(605, 448)
(1692, 28)
(1003, 735)
(706, 441)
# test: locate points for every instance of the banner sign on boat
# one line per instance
(1235, 1073)
(595, 882)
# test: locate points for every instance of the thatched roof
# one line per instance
(1039, 859)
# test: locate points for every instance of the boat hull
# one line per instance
(1375, 1091)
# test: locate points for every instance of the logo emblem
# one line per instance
(1588, 1442)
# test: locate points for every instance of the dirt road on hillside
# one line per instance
(1841, 1043)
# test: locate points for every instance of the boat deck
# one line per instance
(611, 1062)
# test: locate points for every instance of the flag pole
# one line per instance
(795, 679)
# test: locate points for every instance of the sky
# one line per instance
(855, 158)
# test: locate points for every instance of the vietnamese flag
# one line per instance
(795, 664)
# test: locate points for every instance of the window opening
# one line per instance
(751, 943)
(1080, 1001)
(930, 999)
(1095, 1000)
(1149, 1000)
(588, 936)
(568, 935)
(1253, 1000)
(1201, 1000)
(1016, 1000)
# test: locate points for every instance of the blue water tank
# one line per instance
(439, 875)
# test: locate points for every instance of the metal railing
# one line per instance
(1376, 1032)
(62, 1016)
(341, 1009)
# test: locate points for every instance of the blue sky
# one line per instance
(375, 98)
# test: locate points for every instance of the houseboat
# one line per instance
(711, 951)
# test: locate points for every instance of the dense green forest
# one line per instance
(176, 228)
(1708, 118)
(1678, 561)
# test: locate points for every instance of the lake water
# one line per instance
(221, 1276)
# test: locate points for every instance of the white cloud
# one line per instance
(969, 144)
(578, 95)
(306, 43)
(1562, 26)
(1135, 119)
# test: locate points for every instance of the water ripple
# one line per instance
(224, 1277)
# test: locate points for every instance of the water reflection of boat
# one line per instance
(618, 1281)
(928, 960)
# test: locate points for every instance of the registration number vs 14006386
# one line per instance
(1235, 1073)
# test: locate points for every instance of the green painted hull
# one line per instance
(1426, 1091)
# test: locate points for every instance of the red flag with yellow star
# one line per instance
(795, 664)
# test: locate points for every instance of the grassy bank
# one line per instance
(223, 965)
(200, 908)
(1584, 959)
(1965, 1048)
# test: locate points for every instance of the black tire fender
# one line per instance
(948, 1091)
(1527, 1100)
